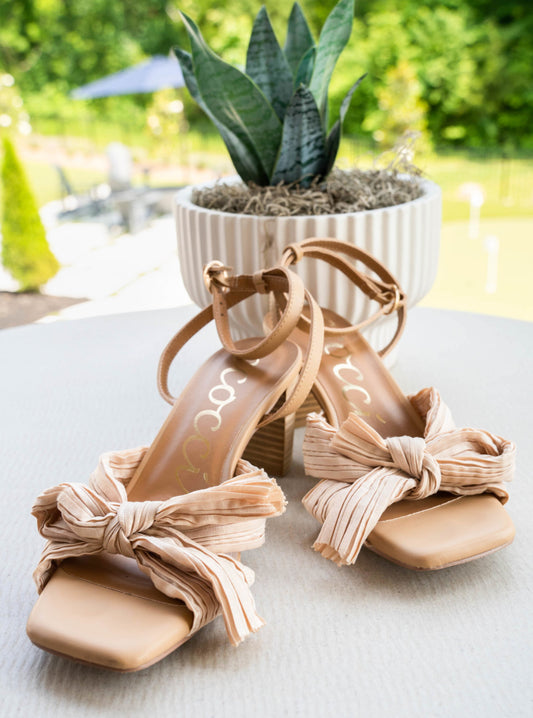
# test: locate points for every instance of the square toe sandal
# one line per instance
(395, 472)
(148, 552)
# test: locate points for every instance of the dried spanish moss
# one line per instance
(344, 191)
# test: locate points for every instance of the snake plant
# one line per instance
(273, 117)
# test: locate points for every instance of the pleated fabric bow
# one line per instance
(181, 543)
(363, 473)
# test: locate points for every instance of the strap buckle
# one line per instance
(216, 274)
(394, 301)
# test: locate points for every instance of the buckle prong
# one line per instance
(216, 273)
(395, 301)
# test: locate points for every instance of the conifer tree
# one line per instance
(25, 251)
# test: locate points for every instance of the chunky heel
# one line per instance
(271, 446)
(309, 406)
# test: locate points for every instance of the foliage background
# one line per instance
(468, 63)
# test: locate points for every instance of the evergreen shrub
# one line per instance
(25, 251)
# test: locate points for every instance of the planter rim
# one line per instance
(183, 199)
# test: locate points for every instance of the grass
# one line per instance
(507, 213)
(461, 282)
(507, 183)
(44, 180)
(46, 185)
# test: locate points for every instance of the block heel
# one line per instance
(309, 406)
(271, 446)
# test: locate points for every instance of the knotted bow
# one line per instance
(179, 543)
(362, 473)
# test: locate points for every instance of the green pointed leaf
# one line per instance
(334, 137)
(266, 64)
(244, 158)
(299, 39)
(333, 39)
(302, 155)
(235, 100)
(305, 68)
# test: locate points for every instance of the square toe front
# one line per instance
(447, 531)
(119, 627)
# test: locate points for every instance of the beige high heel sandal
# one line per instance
(138, 561)
(395, 473)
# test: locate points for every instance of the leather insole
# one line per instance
(211, 422)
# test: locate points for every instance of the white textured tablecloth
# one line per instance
(370, 640)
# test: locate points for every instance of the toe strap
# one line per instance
(363, 473)
(179, 543)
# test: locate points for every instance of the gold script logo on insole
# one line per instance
(351, 379)
(197, 448)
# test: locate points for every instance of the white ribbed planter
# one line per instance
(405, 238)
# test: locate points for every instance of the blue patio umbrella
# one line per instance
(156, 73)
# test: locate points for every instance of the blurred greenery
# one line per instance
(471, 59)
(506, 182)
(457, 70)
(25, 251)
(401, 109)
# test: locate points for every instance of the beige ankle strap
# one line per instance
(385, 290)
(227, 290)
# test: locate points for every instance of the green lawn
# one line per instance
(464, 264)
(507, 184)
(45, 181)
(507, 213)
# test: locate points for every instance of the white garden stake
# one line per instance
(473, 193)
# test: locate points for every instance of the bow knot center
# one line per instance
(410, 455)
(129, 519)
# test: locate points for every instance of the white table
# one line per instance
(370, 640)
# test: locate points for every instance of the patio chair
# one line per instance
(78, 200)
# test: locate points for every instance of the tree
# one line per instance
(472, 58)
(401, 109)
(25, 251)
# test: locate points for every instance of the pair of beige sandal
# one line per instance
(148, 552)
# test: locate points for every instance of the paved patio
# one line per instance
(115, 274)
